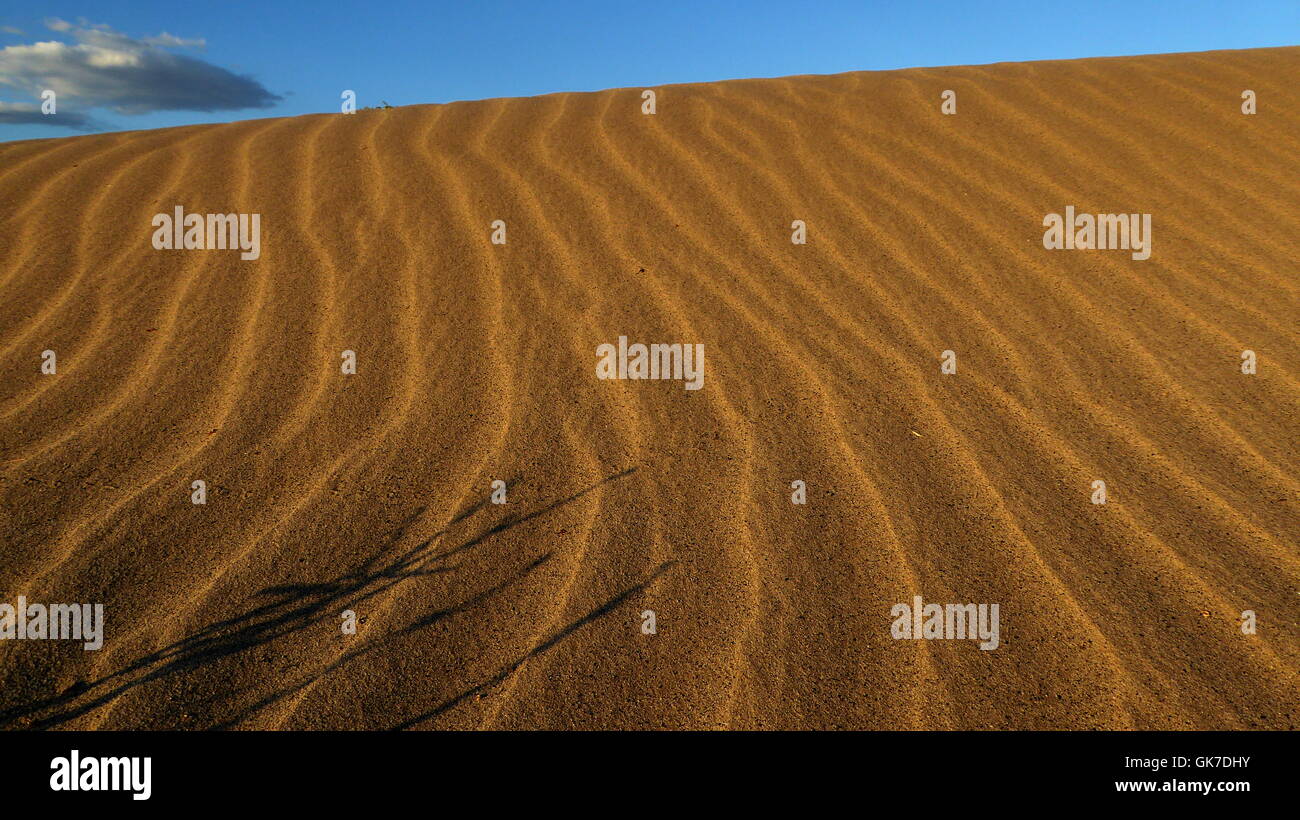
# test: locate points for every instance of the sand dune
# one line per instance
(476, 362)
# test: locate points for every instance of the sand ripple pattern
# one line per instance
(476, 362)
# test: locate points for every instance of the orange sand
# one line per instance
(476, 362)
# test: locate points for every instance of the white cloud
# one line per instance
(104, 68)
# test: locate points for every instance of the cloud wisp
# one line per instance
(30, 114)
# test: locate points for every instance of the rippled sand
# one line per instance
(476, 362)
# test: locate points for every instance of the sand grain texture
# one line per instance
(476, 362)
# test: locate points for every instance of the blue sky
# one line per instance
(282, 58)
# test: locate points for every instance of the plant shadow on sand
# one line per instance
(296, 607)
